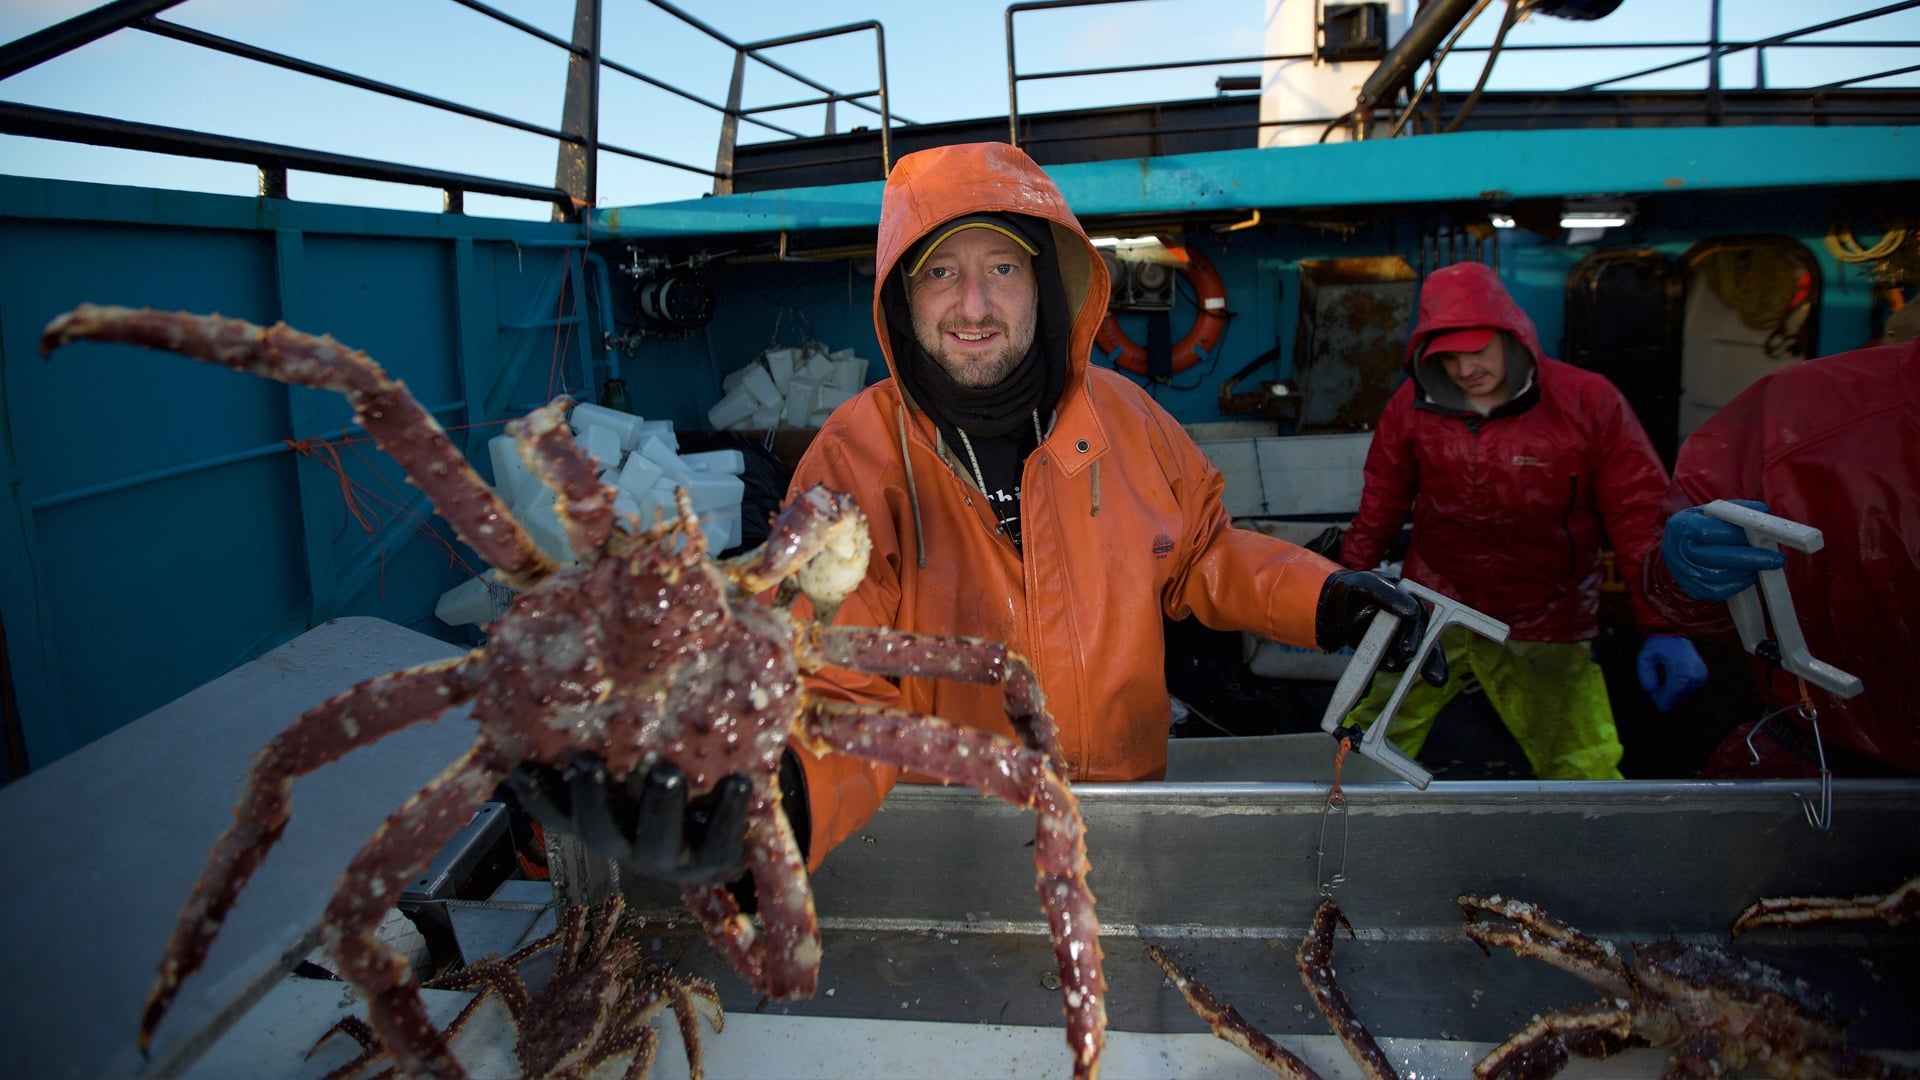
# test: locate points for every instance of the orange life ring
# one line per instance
(1208, 325)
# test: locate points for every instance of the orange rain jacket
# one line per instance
(1121, 514)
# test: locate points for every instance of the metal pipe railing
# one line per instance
(1015, 78)
(38, 122)
(579, 138)
(1712, 50)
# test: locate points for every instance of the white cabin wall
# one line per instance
(1305, 90)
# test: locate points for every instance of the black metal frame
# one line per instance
(578, 140)
(1713, 49)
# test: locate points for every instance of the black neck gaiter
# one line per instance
(984, 411)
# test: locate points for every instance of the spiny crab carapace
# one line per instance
(643, 650)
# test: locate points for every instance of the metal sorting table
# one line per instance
(936, 960)
(929, 914)
(114, 834)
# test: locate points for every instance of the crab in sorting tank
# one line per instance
(1891, 909)
(1315, 961)
(643, 651)
(597, 1005)
(1718, 1013)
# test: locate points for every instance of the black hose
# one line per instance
(1493, 53)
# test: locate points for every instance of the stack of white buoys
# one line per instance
(641, 460)
(788, 387)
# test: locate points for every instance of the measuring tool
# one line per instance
(1767, 600)
(1366, 661)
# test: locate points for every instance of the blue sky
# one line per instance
(946, 61)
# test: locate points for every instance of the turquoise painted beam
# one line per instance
(1475, 166)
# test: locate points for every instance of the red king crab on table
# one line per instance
(595, 1007)
(1718, 1013)
(642, 651)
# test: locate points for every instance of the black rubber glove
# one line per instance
(647, 823)
(1349, 601)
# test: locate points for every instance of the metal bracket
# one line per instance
(1366, 661)
(1768, 600)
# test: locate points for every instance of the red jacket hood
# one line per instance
(1468, 296)
(1464, 296)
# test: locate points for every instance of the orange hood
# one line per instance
(931, 187)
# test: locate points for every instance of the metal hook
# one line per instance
(1820, 817)
(1819, 811)
(1336, 807)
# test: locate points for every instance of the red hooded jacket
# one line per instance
(1121, 513)
(1510, 510)
(1833, 443)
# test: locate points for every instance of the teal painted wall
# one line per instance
(158, 529)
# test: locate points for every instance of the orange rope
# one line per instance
(307, 447)
(366, 505)
(1339, 759)
(562, 329)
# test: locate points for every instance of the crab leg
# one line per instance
(1543, 1047)
(1024, 777)
(1892, 909)
(1534, 933)
(381, 405)
(1229, 1025)
(896, 653)
(546, 445)
(690, 997)
(323, 734)
(780, 958)
(399, 850)
(1315, 960)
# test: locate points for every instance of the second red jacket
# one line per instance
(1511, 510)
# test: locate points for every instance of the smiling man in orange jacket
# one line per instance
(1014, 492)
(1017, 492)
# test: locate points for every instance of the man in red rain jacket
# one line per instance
(1833, 443)
(1516, 470)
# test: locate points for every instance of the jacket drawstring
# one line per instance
(1096, 488)
(913, 492)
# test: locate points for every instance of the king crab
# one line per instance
(1315, 961)
(1717, 1012)
(597, 1005)
(644, 651)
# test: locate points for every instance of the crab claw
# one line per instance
(818, 544)
(831, 576)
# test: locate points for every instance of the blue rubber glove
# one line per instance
(1710, 559)
(1671, 670)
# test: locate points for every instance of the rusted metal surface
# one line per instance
(1355, 318)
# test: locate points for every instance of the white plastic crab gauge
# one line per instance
(1366, 661)
(1768, 601)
